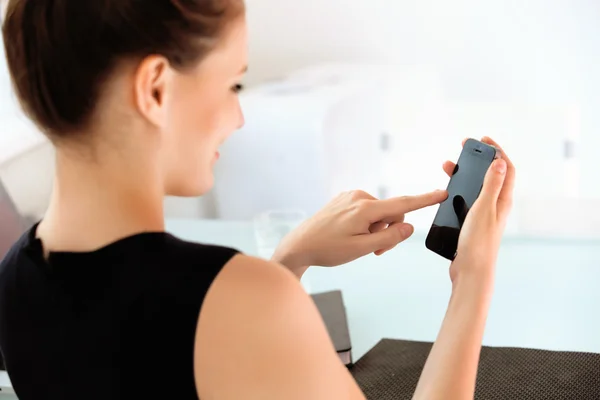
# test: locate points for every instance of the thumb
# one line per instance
(386, 239)
(492, 184)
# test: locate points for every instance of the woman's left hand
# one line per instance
(354, 224)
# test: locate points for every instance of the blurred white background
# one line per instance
(376, 95)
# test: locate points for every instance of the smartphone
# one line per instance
(464, 188)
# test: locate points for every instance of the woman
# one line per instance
(137, 97)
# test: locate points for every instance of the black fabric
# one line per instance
(391, 370)
(116, 323)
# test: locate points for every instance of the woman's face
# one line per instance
(201, 111)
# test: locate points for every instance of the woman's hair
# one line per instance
(59, 52)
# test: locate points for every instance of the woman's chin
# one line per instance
(194, 188)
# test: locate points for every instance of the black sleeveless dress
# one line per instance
(116, 323)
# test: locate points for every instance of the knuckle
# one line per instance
(361, 206)
(357, 195)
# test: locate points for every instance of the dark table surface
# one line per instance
(391, 370)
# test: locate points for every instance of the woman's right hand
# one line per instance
(484, 225)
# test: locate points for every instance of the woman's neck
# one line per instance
(96, 203)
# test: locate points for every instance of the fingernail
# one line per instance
(501, 166)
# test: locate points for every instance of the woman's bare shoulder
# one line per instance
(260, 336)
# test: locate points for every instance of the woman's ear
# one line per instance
(150, 89)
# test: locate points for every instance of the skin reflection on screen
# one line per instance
(451, 234)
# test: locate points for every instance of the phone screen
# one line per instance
(464, 188)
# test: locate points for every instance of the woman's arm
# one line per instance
(451, 367)
(283, 258)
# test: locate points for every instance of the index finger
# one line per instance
(509, 181)
(387, 208)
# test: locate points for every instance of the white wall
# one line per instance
(540, 50)
(536, 52)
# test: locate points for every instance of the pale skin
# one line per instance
(157, 131)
